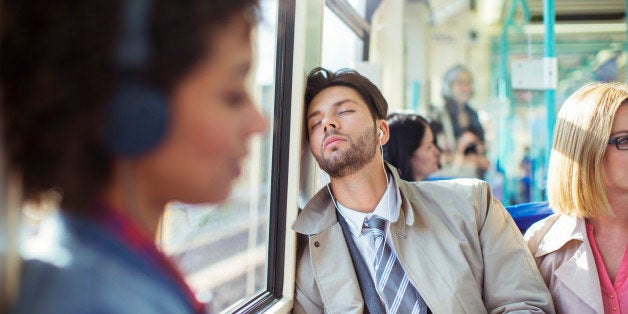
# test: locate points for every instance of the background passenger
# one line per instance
(470, 158)
(119, 107)
(582, 249)
(411, 147)
(456, 116)
(371, 241)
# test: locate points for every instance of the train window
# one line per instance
(594, 53)
(359, 6)
(342, 47)
(223, 249)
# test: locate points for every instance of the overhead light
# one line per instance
(490, 11)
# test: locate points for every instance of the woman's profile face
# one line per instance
(212, 119)
(614, 171)
(424, 160)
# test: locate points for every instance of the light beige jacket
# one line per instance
(560, 245)
(458, 245)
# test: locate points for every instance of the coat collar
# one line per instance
(320, 213)
(565, 229)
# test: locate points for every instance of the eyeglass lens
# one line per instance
(621, 142)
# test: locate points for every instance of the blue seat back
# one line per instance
(528, 213)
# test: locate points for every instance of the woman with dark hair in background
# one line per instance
(119, 107)
(411, 147)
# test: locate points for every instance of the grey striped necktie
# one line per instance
(393, 284)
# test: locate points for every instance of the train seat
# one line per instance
(528, 213)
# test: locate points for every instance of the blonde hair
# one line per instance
(575, 186)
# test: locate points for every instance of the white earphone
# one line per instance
(381, 133)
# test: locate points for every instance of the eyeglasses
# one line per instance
(621, 142)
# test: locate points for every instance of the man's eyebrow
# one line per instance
(336, 104)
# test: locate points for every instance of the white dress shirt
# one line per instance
(387, 209)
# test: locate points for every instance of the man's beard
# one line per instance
(344, 163)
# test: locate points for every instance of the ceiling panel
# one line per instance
(581, 9)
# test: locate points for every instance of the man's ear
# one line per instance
(382, 125)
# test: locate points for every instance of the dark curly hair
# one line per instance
(321, 78)
(58, 74)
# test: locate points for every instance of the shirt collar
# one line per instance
(386, 208)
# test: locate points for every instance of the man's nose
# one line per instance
(329, 126)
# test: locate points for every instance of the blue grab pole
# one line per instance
(550, 68)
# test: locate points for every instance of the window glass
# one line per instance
(359, 6)
(222, 249)
(342, 48)
(584, 54)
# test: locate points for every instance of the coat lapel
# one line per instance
(577, 271)
(580, 268)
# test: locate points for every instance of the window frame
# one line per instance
(361, 26)
(280, 166)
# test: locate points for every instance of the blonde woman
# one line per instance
(581, 249)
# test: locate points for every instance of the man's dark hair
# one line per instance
(406, 134)
(321, 78)
(58, 75)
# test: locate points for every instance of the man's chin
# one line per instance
(341, 171)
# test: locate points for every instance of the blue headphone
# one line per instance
(138, 113)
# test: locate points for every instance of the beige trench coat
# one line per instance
(458, 245)
(560, 245)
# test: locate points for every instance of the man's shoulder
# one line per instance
(458, 185)
(467, 196)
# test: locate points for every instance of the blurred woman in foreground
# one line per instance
(119, 107)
